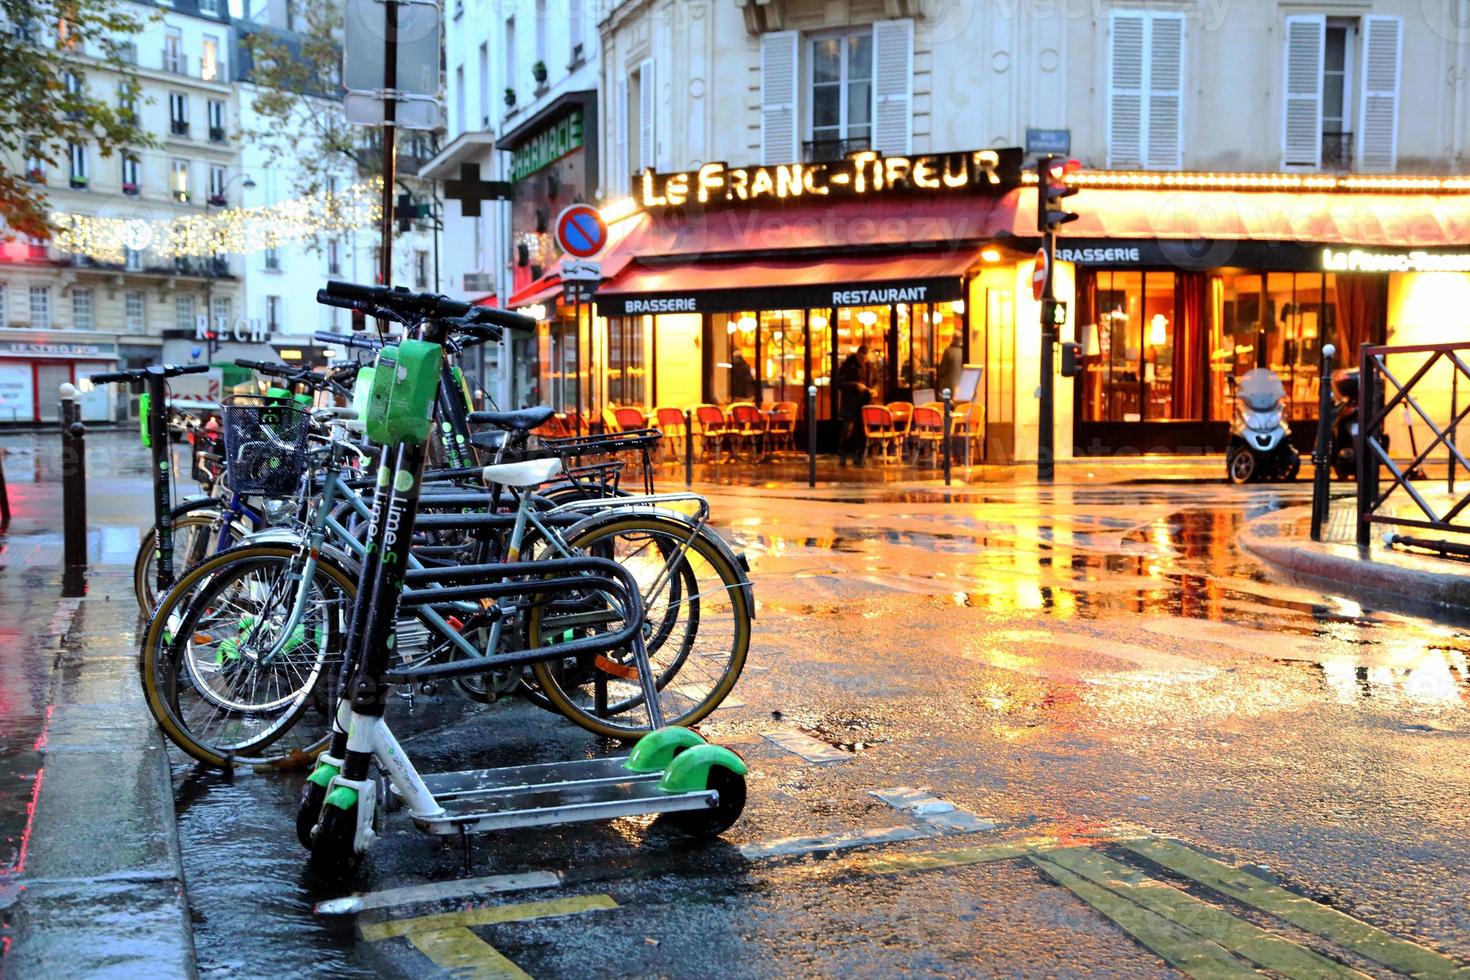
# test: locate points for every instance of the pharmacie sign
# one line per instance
(1368, 260)
(547, 146)
(861, 175)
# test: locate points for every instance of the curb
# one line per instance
(101, 887)
(1379, 578)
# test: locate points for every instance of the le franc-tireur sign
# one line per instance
(861, 174)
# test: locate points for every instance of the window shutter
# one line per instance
(778, 97)
(1301, 124)
(647, 144)
(1383, 39)
(619, 169)
(893, 86)
(1165, 96)
(1125, 90)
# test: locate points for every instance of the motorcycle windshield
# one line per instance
(1261, 390)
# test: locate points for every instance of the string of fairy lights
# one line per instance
(237, 231)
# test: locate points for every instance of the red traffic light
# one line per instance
(1058, 169)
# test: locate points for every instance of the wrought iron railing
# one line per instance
(1381, 393)
(823, 151)
(1337, 151)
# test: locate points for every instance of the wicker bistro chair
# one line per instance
(781, 426)
(714, 429)
(670, 421)
(902, 413)
(630, 419)
(748, 425)
(926, 430)
(967, 427)
(878, 426)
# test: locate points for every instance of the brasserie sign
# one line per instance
(863, 174)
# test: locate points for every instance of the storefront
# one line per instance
(33, 369)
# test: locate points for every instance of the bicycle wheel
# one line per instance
(696, 628)
(194, 533)
(227, 677)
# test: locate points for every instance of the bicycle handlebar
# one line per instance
(348, 340)
(400, 302)
(152, 370)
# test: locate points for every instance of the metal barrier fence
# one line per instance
(1381, 393)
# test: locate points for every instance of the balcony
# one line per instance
(179, 127)
(216, 134)
(175, 62)
(824, 151)
(1337, 151)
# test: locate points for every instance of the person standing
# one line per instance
(742, 379)
(853, 391)
(951, 366)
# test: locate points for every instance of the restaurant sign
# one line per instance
(59, 349)
(1367, 260)
(863, 174)
(782, 296)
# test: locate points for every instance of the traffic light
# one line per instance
(1054, 312)
(405, 212)
(1051, 188)
(1071, 359)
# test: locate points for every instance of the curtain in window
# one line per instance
(1189, 340)
(1360, 311)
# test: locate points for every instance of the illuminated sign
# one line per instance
(1093, 256)
(678, 304)
(547, 146)
(18, 348)
(861, 174)
(878, 297)
(1362, 260)
(245, 331)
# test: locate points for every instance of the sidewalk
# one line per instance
(1376, 575)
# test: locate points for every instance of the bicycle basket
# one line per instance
(265, 446)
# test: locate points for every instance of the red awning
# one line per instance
(696, 277)
(542, 290)
(489, 299)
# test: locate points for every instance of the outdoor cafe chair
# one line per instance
(967, 426)
(902, 413)
(926, 429)
(670, 422)
(747, 424)
(714, 429)
(630, 419)
(781, 425)
(878, 426)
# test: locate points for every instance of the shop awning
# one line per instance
(488, 299)
(772, 284)
(543, 290)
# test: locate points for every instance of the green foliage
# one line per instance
(44, 41)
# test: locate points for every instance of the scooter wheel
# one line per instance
(715, 821)
(332, 847)
(1240, 465)
(307, 811)
(1291, 468)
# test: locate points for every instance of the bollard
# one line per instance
(1370, 403)
(1322, 451)
(73, 490)
(688, 448)
(948, 409)
(4, 495)
(811, 436)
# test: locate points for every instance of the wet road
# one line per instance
(1118, 706)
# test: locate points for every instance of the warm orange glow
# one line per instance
(1177, 180)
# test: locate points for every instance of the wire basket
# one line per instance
(265, 446)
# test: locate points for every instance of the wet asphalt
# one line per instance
(1073, 665)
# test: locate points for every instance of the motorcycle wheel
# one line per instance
(1240, 465)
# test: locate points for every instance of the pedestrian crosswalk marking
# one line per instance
(1183, 949)
(438, 891)
(465, 955)
(809, 748)
(1205, 921)
(490, 915)
(885, 864)
(1381, 947)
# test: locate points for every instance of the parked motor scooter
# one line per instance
(1344, 451)
(1260, 447)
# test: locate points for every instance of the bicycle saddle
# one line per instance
(527, 473)
(522, 421)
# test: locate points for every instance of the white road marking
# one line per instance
(809, 748)
(789, 846)
(438, 891)
(933, 811)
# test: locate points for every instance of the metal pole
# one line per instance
(948, 408)
(4, 495)
(1449, 448)
(73, 491)
(1367, 469)
(811, 436)
(1321, 453)
(688, 448)
(390, 134)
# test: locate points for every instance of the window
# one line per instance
(273, 259)
(209, 7)
(81, 308)
(41, 306)
(1338, 71)
(221, 309)
(421, 270)
(216, 115)
(132, 259)
(209, 60)
(541, 31)
(135, 310)
(1145, 82)
(574, 32)
(459, 114)
(3, 320)
(1276, 320)
(1337, 113)
(35, 166)
(216, 185)
(127, 52)
(184, 313)
(77, 154)
(639, 110)
(485, 85)
(334, 257)
(273, 313)
(73, 95)
(173, 51)
(131, 173)
(510, 53)
(179, 184)
(127, 100)
(841, 95)
(178, 113)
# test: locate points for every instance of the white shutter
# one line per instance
(778, 97)
(618, 172)
(1165, 90)
(1125, 90)
(1301, 123)
(893, 86)
(647, 144)
(1383, 40)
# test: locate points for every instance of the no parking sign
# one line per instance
(580, 231)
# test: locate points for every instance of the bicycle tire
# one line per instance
(730, 585)
(159, 663)
(145, 571)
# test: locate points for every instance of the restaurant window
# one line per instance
(859, 326)
(1133, 378)
(841, 103)
(925, 332)
(1274, 320)
(135, 311)
(733, 354)
(627, 372)
(782, 365)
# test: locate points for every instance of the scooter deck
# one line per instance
(551, 793)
